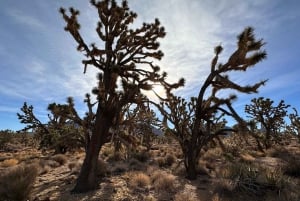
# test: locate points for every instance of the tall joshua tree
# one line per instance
(117, 59)
(193, 121)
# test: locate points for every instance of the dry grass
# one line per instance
(293, 168)
(139, 180)
(170, 159)
(163, 181)
(102, 169)
(50, 163)
(107, 150)
(74, 167)
(17, 183)
(60, 158)
(245, 157)
(119, 168)
(185, 196)
(149, 198)
(142, 156)
(9, 162)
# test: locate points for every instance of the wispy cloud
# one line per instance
(43, 66)
(25, 19)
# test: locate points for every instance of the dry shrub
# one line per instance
(247, 158)
(74, 167)
(50, 163)
(185, 196)
(166, 161)
(44, 170)
(212, 154)
(135, 164)
(60, 158)
(107, 151)
(142, 156)
(255, 180)
(9, 162)
(149, 198)
(17, 183)
(169, 160)
(163, 181)
(139, 180)
(120, 168)
(102, 169)
(293, 168)
(161, 161)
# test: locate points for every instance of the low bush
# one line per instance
(142, 156)
(102, 169)
(293, 168)
(255, 180)
(163, 181)
(16, 184)
(185, 196)
(60, 158)
(169, 160)
(139, 180)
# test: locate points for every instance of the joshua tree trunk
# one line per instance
(87, 179)
(267, 140)
(191, 157)
(191, 167)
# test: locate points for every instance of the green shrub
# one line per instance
(17, 183)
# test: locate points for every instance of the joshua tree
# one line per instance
(193, 121)
(65, 129)
(123, 56)
(145, 122)
(294, 126)
(271, 117)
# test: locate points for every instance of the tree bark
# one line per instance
(191, 167)
(191, 163)
(87, 179)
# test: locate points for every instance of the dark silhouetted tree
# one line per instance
(294, 127)
(193, 121)
(270, 117)
(124, 55)
(64, 130)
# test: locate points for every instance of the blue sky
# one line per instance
(40, 64)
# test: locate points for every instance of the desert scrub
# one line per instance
(139, 180)
(163, 181)
(74, 167)
(142, 156)
(185, 196)
(107, 150)
(255, 180)
(102, 168)
(293, 168)
(17, 183)
(169, 160)
(60, 158)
